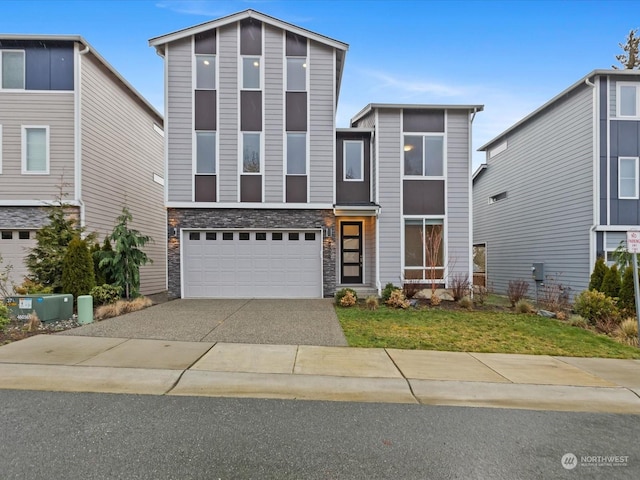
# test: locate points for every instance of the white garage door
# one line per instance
(252, 264)
(14, 246)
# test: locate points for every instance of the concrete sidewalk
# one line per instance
(159, 367)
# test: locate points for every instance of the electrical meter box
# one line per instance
(537, 271)
(48, 308)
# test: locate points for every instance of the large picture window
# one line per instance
(424, 155)
(628, 178)
(12, 69)
(251, 153)
(35, 150)
(423, 249)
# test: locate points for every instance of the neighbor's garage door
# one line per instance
(14, 246)
(256, 264)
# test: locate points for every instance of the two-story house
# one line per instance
(266, 198)
(72, 126)
(561, 187)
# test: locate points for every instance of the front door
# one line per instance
(351, 252)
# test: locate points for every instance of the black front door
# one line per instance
(351, 252)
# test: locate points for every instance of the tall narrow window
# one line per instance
(35, 150)
(251, 73)
(296, 153)
(12, 69)
(206, 72)
(296, 74)
(628, 178)
(353, 161)
(206, 153)
(627, 99)
(251, 153)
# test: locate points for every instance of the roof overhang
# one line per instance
(413, 106)
(478, 171)
(371, 210)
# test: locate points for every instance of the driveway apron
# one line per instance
(257, 321)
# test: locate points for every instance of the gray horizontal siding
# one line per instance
(179, 122)
(34, 108)
(457, 191)
(228, 112)
(547, 172)
(321, 122)
(120, 153)
(273, 112)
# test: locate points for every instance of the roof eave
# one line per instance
(414, 106)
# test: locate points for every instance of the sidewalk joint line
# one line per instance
(491, 368)
(403, 376)
(226, 318)
(175, 384)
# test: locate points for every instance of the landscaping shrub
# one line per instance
(626, 297)
(372, 302)
(554, 296)
(397, 300)
(460, 286)
(77, 269)
(435, 299)
(611, 283)
(105, 294)
(410, 289)
(388, 289)
(348, 300)
(343, 292)
(600, 269)
(607, 325)
(593, 305)
(627, 331)
(523, 306)
(517, 290)
(4, 316)
(480, 294)
(466, 302)
(30, 287)
(578, 321)
(121, 307)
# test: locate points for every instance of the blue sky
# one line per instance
(511, 56)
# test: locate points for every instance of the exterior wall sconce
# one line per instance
(173, 231)
(327, 232)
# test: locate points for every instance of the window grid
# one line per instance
(628, 178)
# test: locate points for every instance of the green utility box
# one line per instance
(49, 308)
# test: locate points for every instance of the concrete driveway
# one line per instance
(273, 321)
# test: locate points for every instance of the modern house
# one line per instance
(267, 198)
(561, 187)
(72, 126)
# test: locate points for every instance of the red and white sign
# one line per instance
(633, 241)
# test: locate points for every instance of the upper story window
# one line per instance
(628, 178)
(424, 155)
(296, 74)
(12, 69)
(251, 73)
(206, 153)
(296, 153)
(251, 158)
(628, 99)
(353, 161)
(206, 72)
(35, 149)
(0, 148)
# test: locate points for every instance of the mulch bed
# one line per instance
(18, 329)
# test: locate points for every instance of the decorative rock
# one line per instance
(546, 313)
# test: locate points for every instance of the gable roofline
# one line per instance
(481, 168)
(412, 106)
(234, 17)
(79, 39)
(589, 77)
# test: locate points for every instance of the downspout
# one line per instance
(78, 137)
(596, 175)
(471, 118)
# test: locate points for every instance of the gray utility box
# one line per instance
(49, 308)
(537, 270)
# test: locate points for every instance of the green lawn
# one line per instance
(477, 331)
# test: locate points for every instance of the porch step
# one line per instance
(362, 291)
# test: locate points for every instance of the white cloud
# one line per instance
(197, 7)
(407, 87)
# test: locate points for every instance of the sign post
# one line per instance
(633, 247)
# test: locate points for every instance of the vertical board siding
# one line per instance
(34, 108)
(390, 219)
(321, 122)
(179, 121)
(547, 172)
(369, 121)
(120, 153)
(273, 113)
(228, 99)
(457, 192)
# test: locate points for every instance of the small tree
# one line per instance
(77, 269)
(622, 257)
(125, 260)
(600, 269)
(629, 59)
(5, 280)
(611, 283)
(432, 239)
(627, 299)
(97, 271)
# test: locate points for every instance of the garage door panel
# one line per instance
(259, 266)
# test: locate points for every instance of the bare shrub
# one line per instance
(460, 286)
(397, 300)
(480, 294)
(607, 325)
(517, 290)
(410, 289)
(372, 303)
(554, 296)
(466, 302)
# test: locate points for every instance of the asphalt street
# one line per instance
(48, 435)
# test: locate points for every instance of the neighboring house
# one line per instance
(561, 186)
(266, 198)
(71, 125)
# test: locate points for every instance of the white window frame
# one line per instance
(195, 152)
(25, 171)
(635, 195)
(306, 73)
(344, 161)
(286, 154)
(261, 139)
(618, 97)
(195, 71)
(0, 149)
(444, 154)
(424, 268)
(24, 71)
(260, 72)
